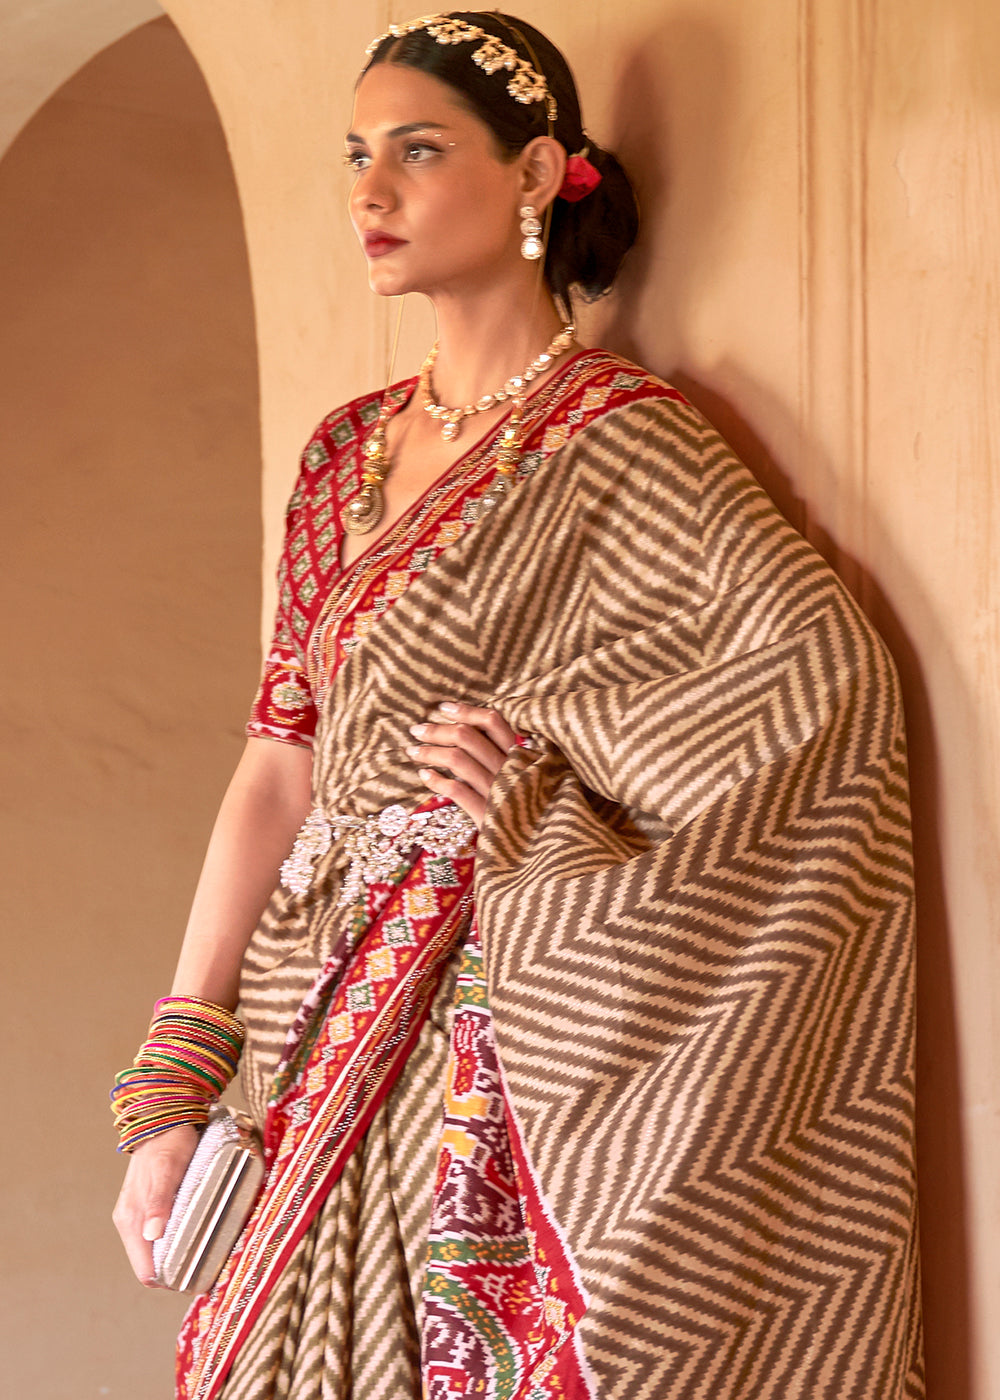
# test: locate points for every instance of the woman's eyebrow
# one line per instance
(407, 130)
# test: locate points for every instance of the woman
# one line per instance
(579, 1024)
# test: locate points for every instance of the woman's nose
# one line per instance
(372, 191)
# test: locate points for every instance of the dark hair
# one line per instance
(588, 239)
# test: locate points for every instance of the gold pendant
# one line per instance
(364, 511)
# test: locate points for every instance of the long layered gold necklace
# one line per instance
(364, 511)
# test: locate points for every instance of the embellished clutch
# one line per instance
(212, 1204)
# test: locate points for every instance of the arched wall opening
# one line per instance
(131, 587)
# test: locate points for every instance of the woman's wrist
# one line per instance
(188, 1058)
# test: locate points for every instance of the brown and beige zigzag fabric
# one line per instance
(694, 893)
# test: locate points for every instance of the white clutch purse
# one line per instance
(212, 1204)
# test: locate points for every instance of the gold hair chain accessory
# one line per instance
(525, 84)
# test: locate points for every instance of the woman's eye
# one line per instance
(417, 151)
(413, 153)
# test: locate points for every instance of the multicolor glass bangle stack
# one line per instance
(190, 1055)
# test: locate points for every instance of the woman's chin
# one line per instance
(386, 283)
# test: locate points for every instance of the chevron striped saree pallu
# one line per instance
(641, 1124)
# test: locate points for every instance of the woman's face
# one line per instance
(434, 205)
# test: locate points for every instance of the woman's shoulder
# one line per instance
(641, 433)
(606, 381)
(599, 390)
(625, 375)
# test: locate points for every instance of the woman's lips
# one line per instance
(378, 244)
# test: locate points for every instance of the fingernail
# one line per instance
(413, 750)
(153, 1229)
(419, 730)
(449, 707)
(425, 774)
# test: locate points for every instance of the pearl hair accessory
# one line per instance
(524, 84)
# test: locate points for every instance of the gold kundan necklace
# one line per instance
(451, 418)
(364, 511)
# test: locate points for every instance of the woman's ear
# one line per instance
(543, 168)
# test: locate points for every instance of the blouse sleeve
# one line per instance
(284, 708)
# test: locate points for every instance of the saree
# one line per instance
(617, 1100)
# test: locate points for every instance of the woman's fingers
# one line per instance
(492, 724)
(462, 765)
(473, 768)
(143, 1207)
(471, 744)
(460, 793)
(467, 752)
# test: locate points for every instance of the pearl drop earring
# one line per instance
(532, 247)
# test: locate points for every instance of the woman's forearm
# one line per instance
(264, 806)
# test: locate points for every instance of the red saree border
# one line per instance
(341, 1102)
(551, 1250)
(503, 1298)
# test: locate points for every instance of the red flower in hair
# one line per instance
(581, 179)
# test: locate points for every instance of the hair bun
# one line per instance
(590, 237)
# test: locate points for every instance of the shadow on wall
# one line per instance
(130, 573)
(702, 65)
(650, 106)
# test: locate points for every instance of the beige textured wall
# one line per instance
(818, 268)
(44, 42)
(129, 569)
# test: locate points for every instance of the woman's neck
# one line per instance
(481, 344)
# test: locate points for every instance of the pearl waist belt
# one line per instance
(375, 846)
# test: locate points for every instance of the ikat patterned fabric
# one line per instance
(312, 634)
(688, 983)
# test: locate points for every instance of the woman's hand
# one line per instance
(469, 743)
(143, 1207)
